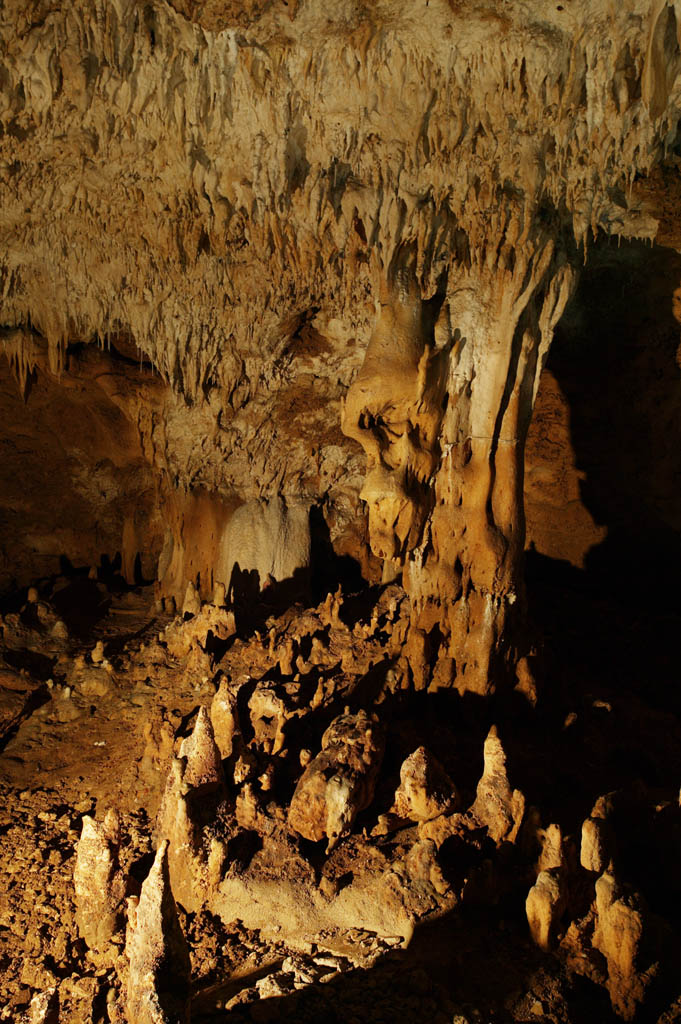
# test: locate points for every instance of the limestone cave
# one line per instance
(340, 511)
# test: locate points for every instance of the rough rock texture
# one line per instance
(425, 789)
(496, 805)
(618, 935)
(99, 882)
(283, 285)
(203, 770)
(596, 848)
(368, 208)
(544, 905)
(224, 717)
(158, 985)
(340, 781)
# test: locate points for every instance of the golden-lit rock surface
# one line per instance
(340, 511)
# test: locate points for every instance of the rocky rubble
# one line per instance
(278, 869)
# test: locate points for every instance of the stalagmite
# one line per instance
(496, 805)
(99, 882)
(340, 781)
(159, 975)
(425, 789)
(203, 770)
(618, 935)
(192, 602)
(544, 905)
(223, 716)
(279, 287)
(177, 827)
(596, 847)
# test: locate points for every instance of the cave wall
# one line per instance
(74, 482)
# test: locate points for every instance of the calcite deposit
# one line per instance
(340, 781)
(339, 511)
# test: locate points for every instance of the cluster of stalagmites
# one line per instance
(242, 777)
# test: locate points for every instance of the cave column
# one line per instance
(444, 424)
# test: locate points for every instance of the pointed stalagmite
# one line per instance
(99, 882)
(158, 983)
(204, 766)
(176, 826)
(496, 805)
(192, 602)
(425, 790)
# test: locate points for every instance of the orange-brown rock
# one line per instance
(496, 805)
(340, 781)
(99, 882)
(425, 789)
(544, 907)
(159, 972)
(203, 769)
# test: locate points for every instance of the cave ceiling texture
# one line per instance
(340, 509)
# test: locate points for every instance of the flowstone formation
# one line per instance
(279, 284)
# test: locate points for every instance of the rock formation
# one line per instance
(618, 934)
(99, 882)
(203, 770)
(340, 781)
(448, 258)
(158, 986)
(496, 805)
(544, 906)
(302, 304)
(425, 789)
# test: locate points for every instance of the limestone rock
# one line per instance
(224, 717)
(44, 1007)
(159, 975)
(618, 935)
(175, 827)
(425, 789)
(203, 770)
(551, 855)
(340, 781)
(17, 695)
(269, 539)
(423, 867)
(597, 845)
(496, 805)
(192, 602)
(269, 711)
(247, 807)
(544, 907)
(99, 882)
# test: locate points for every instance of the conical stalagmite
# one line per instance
(159, 976)
(203, 770)
(496, 805)
(99, 882)
(223, 716)
(175, 826)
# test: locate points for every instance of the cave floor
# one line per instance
(97, 687)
